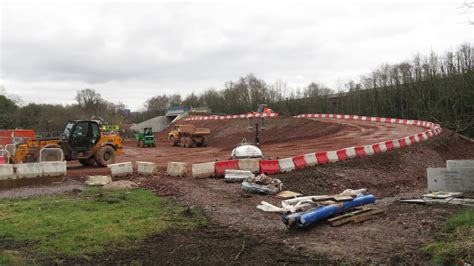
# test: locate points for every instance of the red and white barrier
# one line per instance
(221, 166)
(325, 157)
(227, 117)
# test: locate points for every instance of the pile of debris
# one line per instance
(301, 212)
(262, 184)
(442, 197)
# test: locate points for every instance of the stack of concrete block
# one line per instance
(458, 176)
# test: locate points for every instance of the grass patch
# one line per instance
(88, 222)
(456, 243)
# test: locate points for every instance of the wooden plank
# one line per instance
(287, 194)
(442, 195)
(369, 215)
(343, 198)
(349, 214)
(360, 217)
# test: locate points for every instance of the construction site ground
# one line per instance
(240, 233)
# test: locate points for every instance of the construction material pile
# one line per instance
(262, 184)
(301, 212)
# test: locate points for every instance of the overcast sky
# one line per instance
(129, 52)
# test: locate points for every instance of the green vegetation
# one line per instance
(456, 242)
(89, 222)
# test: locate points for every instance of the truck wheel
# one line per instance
(173, 141)
(87, 162)
(189, 142)
(105, 156)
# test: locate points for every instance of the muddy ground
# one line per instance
(235, 222)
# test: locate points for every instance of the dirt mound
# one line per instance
(385, 174)
(227, 134)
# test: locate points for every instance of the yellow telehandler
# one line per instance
(82, 140)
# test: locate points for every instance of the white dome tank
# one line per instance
(246, 151)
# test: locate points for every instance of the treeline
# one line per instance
(438, 88)
(53, 117)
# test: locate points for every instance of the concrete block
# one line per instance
(286, 165)
(176, 169)
(249, 164)
(310, 159)
(452, 180)
(55, 168)
(6, 171)
(29, 170)
(203, 170)
(121, 169)
(459, 164)
(146, 168)
(98, 180)
(237, 175)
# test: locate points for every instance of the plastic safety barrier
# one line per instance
(300, 162)
(332, 156)
(310, 159)
(6, 171)
(226, 117)
(249, 164)
(176, 169)
(389, 145)
(221, 166)
(341, 155)
(360, 152)
(203, 170)
(322, 157)
(351, 153)
(269, 167)
(286, 165)
(28, 170)
(146, 168)
(121, 169)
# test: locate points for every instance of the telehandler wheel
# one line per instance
(87, 162)
(105, 156)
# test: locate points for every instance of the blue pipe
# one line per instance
(304, 219)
